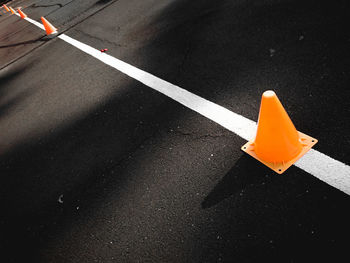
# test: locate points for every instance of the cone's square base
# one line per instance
(307, 142)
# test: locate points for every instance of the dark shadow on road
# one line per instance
(36, 6)
(40, 39)
(102, 2)
(84, 162)
(4, 90)
(221, 51)
(246, 172)
(6, 107)
(6, 78)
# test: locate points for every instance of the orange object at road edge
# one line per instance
(277, 143)
(50, 29)
(6, 8)
(12, 11)
(23, 15)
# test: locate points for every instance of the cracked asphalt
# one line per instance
(97, 167)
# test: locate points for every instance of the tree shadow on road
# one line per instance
(4, 80)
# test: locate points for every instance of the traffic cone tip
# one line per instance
(269, 93)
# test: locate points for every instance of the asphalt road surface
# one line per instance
(98, 167)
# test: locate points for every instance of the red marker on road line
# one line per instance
(104, 50)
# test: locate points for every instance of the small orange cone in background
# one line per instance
(50, 29)
(23, 15)
(12, 11)
(277, 143)
(6, 8)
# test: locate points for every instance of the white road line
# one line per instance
(33, 22)
(323, 167)
(230, 120)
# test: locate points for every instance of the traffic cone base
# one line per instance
(277, 143)
(306, 141)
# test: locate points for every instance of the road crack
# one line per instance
(196, 136)
(36, 6)
(98, 38)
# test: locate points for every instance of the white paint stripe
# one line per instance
(325, 168)
(230, 120)
(34, 22)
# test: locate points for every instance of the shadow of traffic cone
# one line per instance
(23, 15)
(50, 29)
(277, 143)
(6, 8)
(12, 11)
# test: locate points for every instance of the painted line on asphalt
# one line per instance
(323, 167)
(34, 22)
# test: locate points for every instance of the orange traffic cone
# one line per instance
(12, 11)
(50, 29)
(23, 15)
(277, 143)
(6, 8)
